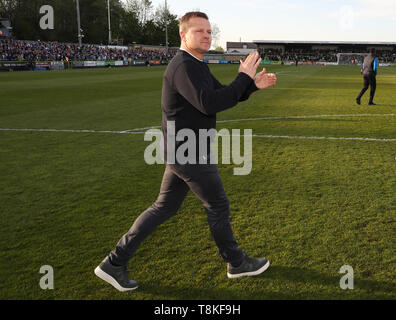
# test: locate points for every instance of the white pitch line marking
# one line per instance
(325, 138)
(310, 116)
(70, 130)
(138, 130)
(242, 135)
(286, 117)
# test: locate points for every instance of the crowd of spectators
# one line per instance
(54, 51)
(11, 49)
(320, 55)
(386, 56)
(302, 55)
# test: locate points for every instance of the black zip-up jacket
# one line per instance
(191, 95)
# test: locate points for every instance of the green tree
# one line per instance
(132, 21)
(141, 8)
(7, 8)
(25, 19)
(160, 17)
(130, 27)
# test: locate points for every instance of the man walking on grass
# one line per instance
(369, 70)
(191, 97)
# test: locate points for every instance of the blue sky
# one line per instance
(325, 20)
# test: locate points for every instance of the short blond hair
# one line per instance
(183, 21)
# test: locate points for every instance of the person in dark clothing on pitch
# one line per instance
(369, 70)
(191, 97)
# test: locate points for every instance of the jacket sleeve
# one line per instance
(192, 84)
(252, 88)
(375, 67)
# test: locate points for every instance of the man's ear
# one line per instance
(182, 35)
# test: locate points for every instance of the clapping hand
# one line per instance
(250, 65)
(264, 80)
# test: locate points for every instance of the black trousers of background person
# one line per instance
(368, 80)
(205, 182)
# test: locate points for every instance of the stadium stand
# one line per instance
(316, 51)
(20, 50)
(33, 54)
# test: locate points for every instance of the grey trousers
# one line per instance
(205, 182)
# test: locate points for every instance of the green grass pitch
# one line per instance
(311, 204)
